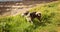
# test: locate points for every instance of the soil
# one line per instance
(14, 8)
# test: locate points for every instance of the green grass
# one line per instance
(50, 20)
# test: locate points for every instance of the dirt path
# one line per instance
(14, 8)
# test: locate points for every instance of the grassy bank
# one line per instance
(50, 20)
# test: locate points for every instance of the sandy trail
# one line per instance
(14, 8)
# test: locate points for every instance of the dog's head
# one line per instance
(38, 13)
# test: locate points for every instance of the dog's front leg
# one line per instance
(29, 19)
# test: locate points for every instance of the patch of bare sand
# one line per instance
(14, 8)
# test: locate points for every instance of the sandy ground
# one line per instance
(14, 8)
